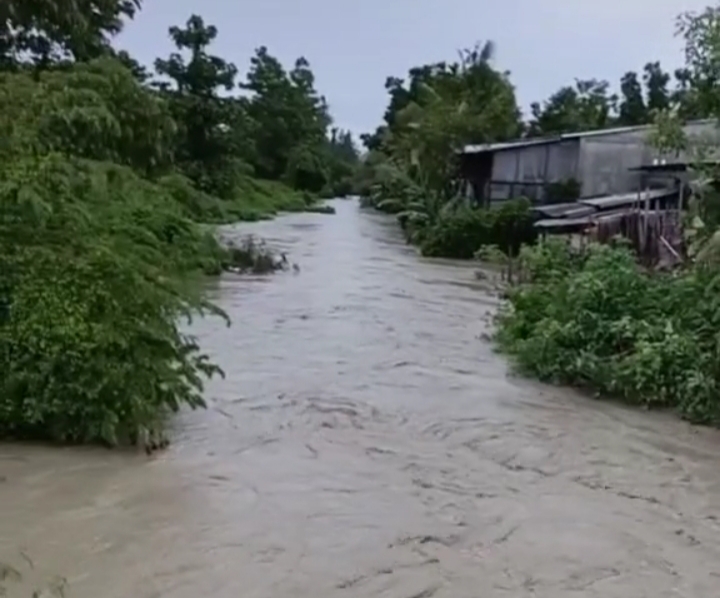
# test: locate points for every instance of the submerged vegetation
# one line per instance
(108, 177)
(253, 257)
(594, 318)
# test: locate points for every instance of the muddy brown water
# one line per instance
(368, 442)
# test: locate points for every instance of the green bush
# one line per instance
(459, 234)
(321, 209)
(252, 200)
(269, 197)
(597, 320)
(342, 187)
(95, 110)
(96, 265)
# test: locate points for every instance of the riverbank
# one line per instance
(254, 199)
(595, 319)
(456, 230)
(359, 396)
(108, 201)
(95, 288)
(590, 319)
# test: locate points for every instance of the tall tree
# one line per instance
(292, 121)
(343, 162)
(656, 83)
(698, 95)
(343, 146)
(404, 92)
(699, 81)
(632, 108)
(470, 79)
(206, 149)
(585, 106)
(450, 105)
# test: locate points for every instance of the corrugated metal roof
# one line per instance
(600, 132)
(562, 222)
(564, 210)
(508, 145)
(587, 211)
(520, 143)
(579, 211)
(670, 167)
(590, 220)
(610, 214)
(612, 201)
(675, 166)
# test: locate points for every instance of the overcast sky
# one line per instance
(353, 46)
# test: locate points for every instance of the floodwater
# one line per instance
(368, 442)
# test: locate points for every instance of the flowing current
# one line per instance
(367, 441)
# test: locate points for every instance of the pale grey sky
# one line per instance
(353, 46)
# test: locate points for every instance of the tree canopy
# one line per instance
(471, 83)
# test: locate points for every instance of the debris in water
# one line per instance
(55, 589)
(9, 573)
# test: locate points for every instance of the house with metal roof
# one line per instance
(600, 163)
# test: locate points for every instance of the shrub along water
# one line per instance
(94, 262)
(107, 183)
(449, 228)
(461, 233)
(254, 200)
(597, 320)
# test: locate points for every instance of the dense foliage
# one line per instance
(597, 320)
(278, 129)
(463, 232)
(106, 174)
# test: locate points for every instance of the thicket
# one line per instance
(463, 232)
(444, 227)
(595, 319)
(106, 174)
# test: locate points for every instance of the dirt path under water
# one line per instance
(368, 442)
